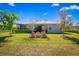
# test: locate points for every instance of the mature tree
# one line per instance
(65, 21)
(62, 20)
(8, 19)
(68, 23)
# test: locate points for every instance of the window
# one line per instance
(50, 28)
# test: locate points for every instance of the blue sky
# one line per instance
(41, 11)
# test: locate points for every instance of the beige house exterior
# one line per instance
(47, 26)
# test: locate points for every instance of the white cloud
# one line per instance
(55, 4)
(63, 8)
(11, 4)
(74, 7)
(67, 8)
(69, 15)
(71, 7)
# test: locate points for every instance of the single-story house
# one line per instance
(47, 26)
(75, 27)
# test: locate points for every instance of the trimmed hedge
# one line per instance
(23, 31)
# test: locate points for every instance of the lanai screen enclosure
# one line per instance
(38, 30)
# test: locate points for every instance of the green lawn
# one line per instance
(19, 44)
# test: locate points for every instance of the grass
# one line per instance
(19, 44)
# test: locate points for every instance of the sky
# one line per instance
(42, 11)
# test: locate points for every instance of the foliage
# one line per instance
(75, 31)
(67, 28)
(14, 29)
(23, 31)
(8, 19)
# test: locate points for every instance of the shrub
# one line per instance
(14, 29)
(23, 31)
(75, 31)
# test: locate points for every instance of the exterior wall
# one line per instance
(21, 26)
(75, 27)
(53, 28)
(24, 26)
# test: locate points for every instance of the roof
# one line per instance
(42, 22)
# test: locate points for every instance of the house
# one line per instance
(1, 25)
(47, 26)
(54, 28)
(22, 26)
(75, 27)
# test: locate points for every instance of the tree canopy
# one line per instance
(8, 19)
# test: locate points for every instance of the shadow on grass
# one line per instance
(76, 32)
(3, 39)
(59, 33)
(76, 40)
(68, 33)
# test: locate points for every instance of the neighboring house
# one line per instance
(1, 25)
(49, 27)
(76, 27)
(21, 26)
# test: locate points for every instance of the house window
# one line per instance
(50, 28)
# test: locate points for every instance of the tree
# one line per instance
(8, 19)
(62, 20)
(67, 28)
(68, 23)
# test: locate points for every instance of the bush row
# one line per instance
(75, 31)
(23, 31)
